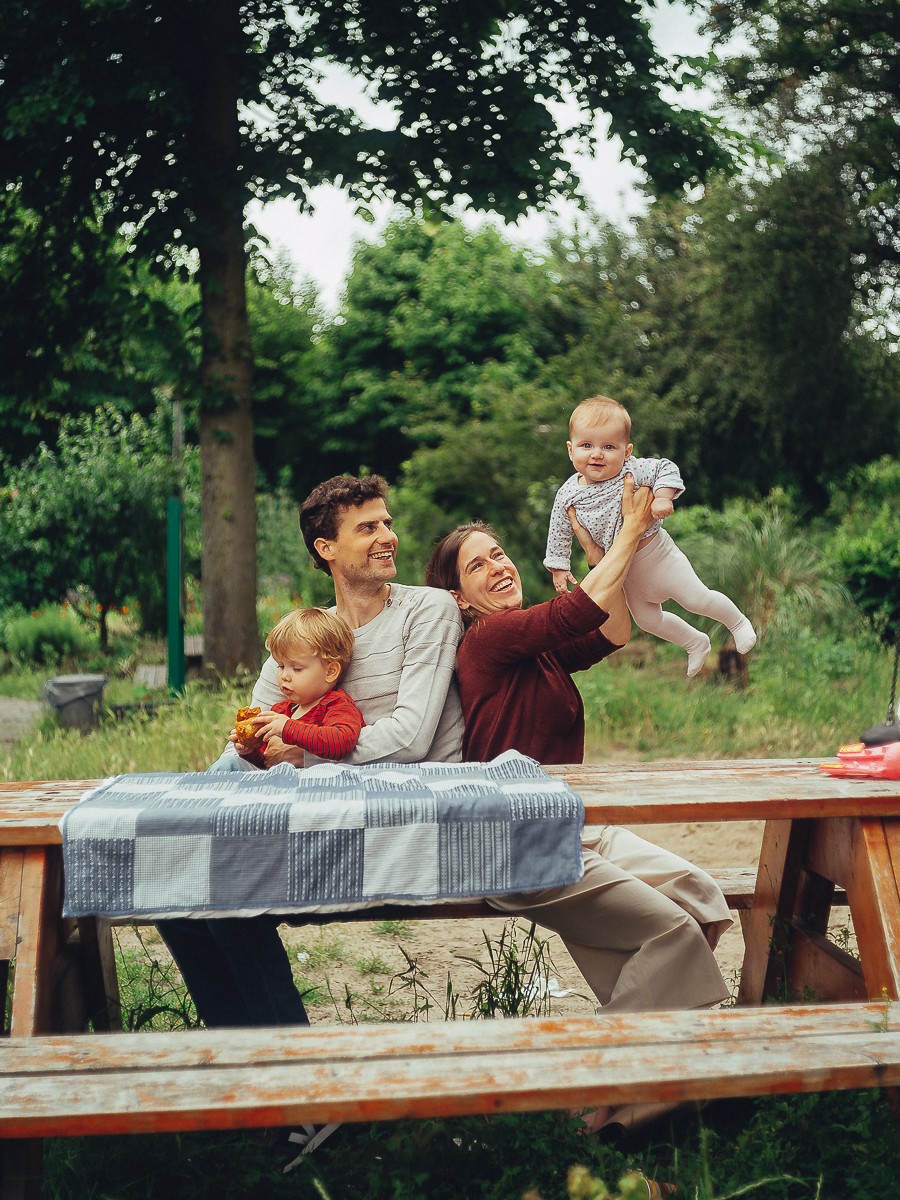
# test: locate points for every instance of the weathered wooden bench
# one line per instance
(127, 1083)
(156, 675)
(826, 841)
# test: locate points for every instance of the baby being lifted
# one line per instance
(601, 452)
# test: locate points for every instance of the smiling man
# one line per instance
(401, 673)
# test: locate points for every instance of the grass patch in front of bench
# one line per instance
(829, 1146)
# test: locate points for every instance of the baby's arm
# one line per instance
(557, 559)
(662, 505)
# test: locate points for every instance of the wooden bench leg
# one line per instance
(57, 984)
(854, 854)
(64, 976)
(800, 863)
(39, 942)
(767, 927)
(817, 968)
(21, 1168)
(11, 860)
(863, 854)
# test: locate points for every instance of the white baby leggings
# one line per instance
(662, 572)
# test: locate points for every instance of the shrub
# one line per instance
(45, 637)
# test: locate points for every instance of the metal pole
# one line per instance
(174, 611)
(175, 560)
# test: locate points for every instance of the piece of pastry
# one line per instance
(244, 727)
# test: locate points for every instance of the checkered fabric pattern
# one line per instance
(328, 838)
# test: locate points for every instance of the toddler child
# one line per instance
(600, 451)
(311, 648)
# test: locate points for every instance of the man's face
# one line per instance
(365, 548)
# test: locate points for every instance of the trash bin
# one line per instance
(75, 698)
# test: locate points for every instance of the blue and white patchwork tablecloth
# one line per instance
(329, 838)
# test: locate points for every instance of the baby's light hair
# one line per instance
(325, 633)
(601, 408)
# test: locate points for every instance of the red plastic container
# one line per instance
(858, 761)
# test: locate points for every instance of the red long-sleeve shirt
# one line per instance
(330, 729)
(515, 684)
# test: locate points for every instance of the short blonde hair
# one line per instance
(326, 634)
(601, 408)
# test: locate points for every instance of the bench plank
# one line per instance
(127, 1083)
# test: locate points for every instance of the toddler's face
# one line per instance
(305, 676)
(598, 451)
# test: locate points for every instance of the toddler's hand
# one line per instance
(270, 724)
(561, 580)
(661, 508)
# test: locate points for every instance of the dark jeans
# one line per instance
(236, 969)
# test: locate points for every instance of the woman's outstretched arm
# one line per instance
(603, 583)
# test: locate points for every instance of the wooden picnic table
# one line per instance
(821, 833)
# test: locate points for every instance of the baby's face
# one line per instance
(598, 451)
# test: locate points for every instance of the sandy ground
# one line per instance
(362, 958)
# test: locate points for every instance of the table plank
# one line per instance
(724, 790)
(673, 791)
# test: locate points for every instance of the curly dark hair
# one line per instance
(323, 509)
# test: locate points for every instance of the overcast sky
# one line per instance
(321, 242)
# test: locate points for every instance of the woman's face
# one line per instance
(488, 580)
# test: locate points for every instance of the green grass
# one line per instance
(186, 736)
(394, 928)
(819, 1147)
(374, 964)
(807, 695)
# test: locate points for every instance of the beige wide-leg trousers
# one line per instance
(632, 924)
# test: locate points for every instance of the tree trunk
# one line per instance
(733, 667)
(230, 633)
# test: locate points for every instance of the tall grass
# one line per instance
(186, 735)
(808, 693)
(806, 696)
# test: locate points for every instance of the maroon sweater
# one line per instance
(514, 670)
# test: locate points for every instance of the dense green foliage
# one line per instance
(87, 521)
(44, 638)
(728, 329)
(823, 74)
(867, 547)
